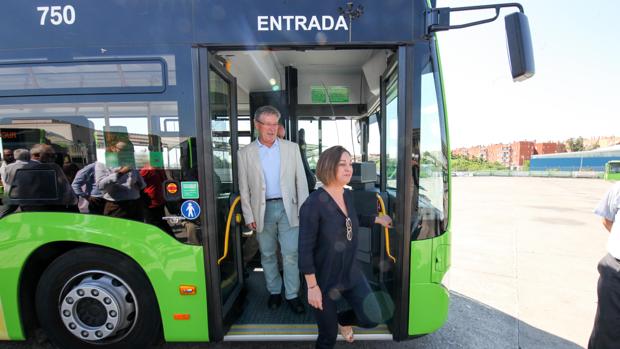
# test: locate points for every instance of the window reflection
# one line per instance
(430, 164)
(118, 155)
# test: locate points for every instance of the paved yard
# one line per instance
(528, 247)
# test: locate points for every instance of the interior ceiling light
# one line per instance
(272, 81)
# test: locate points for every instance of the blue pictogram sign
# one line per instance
(190, 209)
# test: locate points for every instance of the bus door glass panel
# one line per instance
(221, 117)
(310, 145)
(374, 142)
(383, 131)
(391, 115)
(431, 175)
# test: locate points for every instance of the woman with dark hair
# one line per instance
(327, 246)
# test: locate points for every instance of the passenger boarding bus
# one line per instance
(177, 82)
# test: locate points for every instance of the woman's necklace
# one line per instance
(339, 200)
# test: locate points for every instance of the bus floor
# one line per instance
(282, 323)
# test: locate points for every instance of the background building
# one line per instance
(591, 160)
(521, 151)
(549, 148)
(512, 155)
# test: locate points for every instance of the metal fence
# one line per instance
(509, 173)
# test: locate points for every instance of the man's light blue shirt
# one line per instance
(270, 163)
(86, 178)
(609, 208)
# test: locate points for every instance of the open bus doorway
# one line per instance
(326, 98)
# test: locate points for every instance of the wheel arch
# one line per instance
(34, 267)
(30, 241)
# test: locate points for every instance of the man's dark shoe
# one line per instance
(274, 301)
(296, 305)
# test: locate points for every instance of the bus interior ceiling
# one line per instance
(352, 78)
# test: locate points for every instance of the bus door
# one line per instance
(396, 182)
(224, 264)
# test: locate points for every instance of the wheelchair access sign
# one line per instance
(190, 209)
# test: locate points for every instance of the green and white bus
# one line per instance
(178, 81)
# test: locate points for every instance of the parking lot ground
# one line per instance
(529, 247)
(523, 273)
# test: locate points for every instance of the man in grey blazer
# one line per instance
(273, 186)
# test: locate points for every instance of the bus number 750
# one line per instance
(57, 14)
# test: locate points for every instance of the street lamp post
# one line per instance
(352, 13)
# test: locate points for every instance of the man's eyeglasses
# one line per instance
(266, 124)
(349, 225)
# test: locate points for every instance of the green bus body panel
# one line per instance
(166, 262)
(428, 311)
(612, 176)
(428, 298)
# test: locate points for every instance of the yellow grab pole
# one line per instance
(385, 230)
(230, 215)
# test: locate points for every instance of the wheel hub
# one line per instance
(97, 308)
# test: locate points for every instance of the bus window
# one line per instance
(374, 144)
(431, 174)
(244, 130)
(311, 137)
(391, 114)
(341, 132)
(78, 141)
(81, 78)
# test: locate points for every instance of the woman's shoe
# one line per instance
(346, 332)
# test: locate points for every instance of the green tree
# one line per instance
(575, 144)
(462, 163)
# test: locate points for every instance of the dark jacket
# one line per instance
(323, 246)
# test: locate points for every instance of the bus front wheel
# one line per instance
(97, 298)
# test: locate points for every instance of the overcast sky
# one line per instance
(574, 92)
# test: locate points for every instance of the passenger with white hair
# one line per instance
(121, 183)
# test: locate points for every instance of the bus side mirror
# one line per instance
(519, 46)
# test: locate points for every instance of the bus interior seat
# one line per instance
(34, 186)
(365, 201)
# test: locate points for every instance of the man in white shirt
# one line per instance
(7, 159)
(606, 331)
(272, 184)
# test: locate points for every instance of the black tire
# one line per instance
(108, 273)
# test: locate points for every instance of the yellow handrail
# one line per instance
(230, 214)
(385, 230)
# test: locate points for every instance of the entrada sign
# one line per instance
(297, 23)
